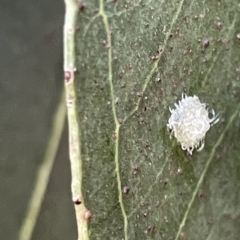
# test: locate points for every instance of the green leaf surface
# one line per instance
(134, 60)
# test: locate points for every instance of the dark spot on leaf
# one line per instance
(135, 170)
(120, 120)
(77, 200)
(219, 25)
(201, 194)
(146, 144)
(126, 190)
(160, 49)
(144, 109)
(96, 10)
(182, 235)
(165, 182)
(165, 219)
(114, 137)
(80, 5)
(141, 119)
(129, 67)
(150, 229)
(106, 44)
(154, 58)
(158, 204)
(206, 43)
(67, 76)
(87, 215)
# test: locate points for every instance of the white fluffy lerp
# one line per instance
(189, 122)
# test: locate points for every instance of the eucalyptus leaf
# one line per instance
(134, 60)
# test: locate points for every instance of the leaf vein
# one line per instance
(155, 65)
(117, 125)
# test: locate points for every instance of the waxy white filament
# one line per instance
(189, 122)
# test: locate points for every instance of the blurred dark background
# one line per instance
(30, 87)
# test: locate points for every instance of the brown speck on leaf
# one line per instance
(106, 44)
(135, 170)
(150, 229)
(165, 182)
(114, 137)
(206, 43)
(158, 204)
(120, 121)
(126, 190)
(87, 215)
(146, 25)
(146, 144)
(219, 25)
(67, 76)
(144, 109)
(160, 49)
(182, 235)
(141, 119)
(154, 58)
(165, 219)
(201, 194)
(80, 5)
(77, 200)
(129, 67)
